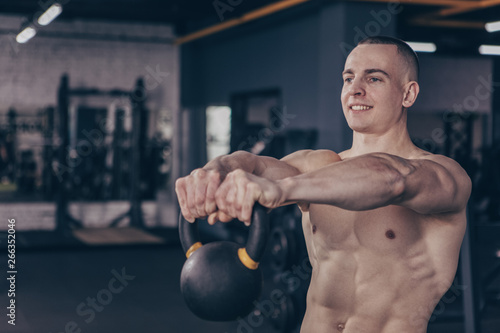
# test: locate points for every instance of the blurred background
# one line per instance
(104, 104)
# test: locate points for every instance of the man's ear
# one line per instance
(411, 91)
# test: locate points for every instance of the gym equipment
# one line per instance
(459, 139)
(118, 154)
(285, 319)
(458, 145)
(283, 248)
(290, 270)
(20, 165)
(48, 154)
(221, 280)
(137, 98)
(27, 172)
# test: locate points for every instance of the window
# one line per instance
(218, 131)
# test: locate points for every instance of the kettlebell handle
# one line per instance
(249, 255)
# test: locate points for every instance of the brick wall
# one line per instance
(103, 55)
(94, 54)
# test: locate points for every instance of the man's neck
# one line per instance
(396, 142)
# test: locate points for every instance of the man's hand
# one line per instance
(196, 193)
(237, 195)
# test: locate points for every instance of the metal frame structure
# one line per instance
(64, 220)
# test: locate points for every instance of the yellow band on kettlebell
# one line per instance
(246, 260)
(193, 248)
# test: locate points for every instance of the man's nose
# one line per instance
(357, 88)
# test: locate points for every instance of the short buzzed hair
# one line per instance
(409, 56)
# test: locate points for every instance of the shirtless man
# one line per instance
(383, 220)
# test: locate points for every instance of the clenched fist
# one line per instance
(196, 193)
(239, 191)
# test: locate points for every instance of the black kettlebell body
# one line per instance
(221, 281)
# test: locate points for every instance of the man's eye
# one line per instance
(348, 79)
(374, 79)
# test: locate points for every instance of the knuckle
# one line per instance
(179, 182)
(198, 173)
(235, 173)
(251, 186)
(213, 173)
(240, 173)
(199, 200)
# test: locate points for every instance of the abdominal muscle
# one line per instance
(356, 289)
(339, 299)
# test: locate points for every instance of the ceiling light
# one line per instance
(492, 26)
(422, 47)
(490, 49)
(50, 14)
(26, 35)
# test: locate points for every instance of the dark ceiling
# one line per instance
(455, 25)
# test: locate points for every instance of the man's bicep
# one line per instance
(436, 186)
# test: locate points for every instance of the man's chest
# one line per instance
(385, 230)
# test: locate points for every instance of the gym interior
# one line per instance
(104, 104)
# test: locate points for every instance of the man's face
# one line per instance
(375, 78)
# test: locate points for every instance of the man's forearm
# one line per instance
(361, 183)
(238, 160)
(263, 166)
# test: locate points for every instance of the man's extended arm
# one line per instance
(376, 180)
(366, 182)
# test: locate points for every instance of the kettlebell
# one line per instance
(220, 281)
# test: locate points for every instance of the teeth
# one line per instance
(360, 107)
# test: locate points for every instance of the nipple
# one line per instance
(390, 234)
(340, 327)
(314, 228)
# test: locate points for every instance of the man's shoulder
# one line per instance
(454, 169)
(445, 161)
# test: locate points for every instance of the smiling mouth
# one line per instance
(360, 107)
